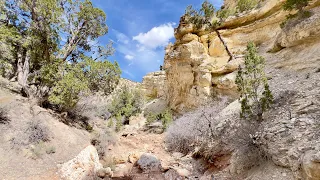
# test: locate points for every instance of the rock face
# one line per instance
(85, 165)
(154, 84)
(199, 63)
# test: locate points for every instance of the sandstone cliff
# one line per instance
(154, 84)
(202, 63)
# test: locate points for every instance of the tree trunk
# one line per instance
(23, 67)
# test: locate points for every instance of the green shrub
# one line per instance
(37, 150)
(293, 19)
(223, 14)
(203, 16)
(290, 5)
(128, 103)
(110, 123)
(165, 117)
(151, 118)
(118, 122)
(251, 80)
(295, 4)
(245, 5)
(86, 77)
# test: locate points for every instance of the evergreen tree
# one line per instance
(295, 4)
(32, 50)
(203, 16)
(255, 95)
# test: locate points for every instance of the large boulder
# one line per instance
(311, 165)
(149, 163)
(85, 165)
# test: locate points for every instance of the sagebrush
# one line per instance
(37, 132)
(4, 119)
(194, 129)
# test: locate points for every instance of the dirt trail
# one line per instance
(132, 144)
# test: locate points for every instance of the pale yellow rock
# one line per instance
(154, 84)
(120, 159)
(182, 30)
(133, 157)
(205, 80)
(225, 82)
(216, 48)
(84, 165)
(231, 66)
(304, 31)
(189, 37)
(200, 65)
(311, 166)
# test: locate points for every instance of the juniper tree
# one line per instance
(51, 44)
(203, 16)
(255, 95)
(295, 4)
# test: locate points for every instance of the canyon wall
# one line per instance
(202, 63)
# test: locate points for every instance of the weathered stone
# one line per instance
(104, 172)
(310, 166)
(173, 174)
(133, 157)
(154, 84)
(84, 165)
(189, 37)
(225, 82)
(149, 163)
(216, 48)
(298, 32)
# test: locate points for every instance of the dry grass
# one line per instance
(216, 139)
(194, 129)
(37, 132)
(4, 119)
(101, 140)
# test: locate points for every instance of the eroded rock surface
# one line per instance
(154, 84)
(85, 165)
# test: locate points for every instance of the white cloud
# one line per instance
(157, 36)
(122, 38)
(128, 73)
(128, 57)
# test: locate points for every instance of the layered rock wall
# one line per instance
(154, 84)
(199, 64)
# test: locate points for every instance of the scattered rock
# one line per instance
(105, 172)
(133, 158)
(172, 174)
(183, 172)
(149, 163)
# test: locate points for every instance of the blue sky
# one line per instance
(140, 30)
